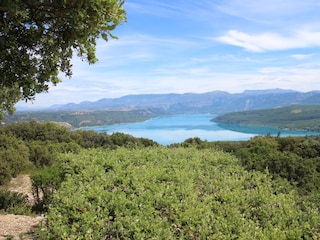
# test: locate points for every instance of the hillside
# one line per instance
(84, 118)
(135, 108)
(93, 185)
(302, 117)
(180, 193)
(216, 102)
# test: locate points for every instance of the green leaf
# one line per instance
(104, 36)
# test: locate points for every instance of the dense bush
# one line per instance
(128, 141)
(13, 202)
(296, 159)
(42, 153)
(91, 139)
(28, 144)
(14, 157)
(181, 193)
(29, 131)
(45, 182)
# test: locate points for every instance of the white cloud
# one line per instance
(268, 41)
(309, 38)
(301, 56)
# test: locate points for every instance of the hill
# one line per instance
(302, 117)
(135, 108)
(216, 102)
(84, 118)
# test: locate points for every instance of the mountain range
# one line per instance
(215, 102)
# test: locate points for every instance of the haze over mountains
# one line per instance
(216, 102)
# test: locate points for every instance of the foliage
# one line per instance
(301, 117)
(29, 131)
(296, 159)
(128, 141)
(13, 202)
(294, 163)
(45, 182)
(14, 157)
(60, 139)
(193, 142)
(38, 39)
(31, 144)
(173, 193)
(42, 153)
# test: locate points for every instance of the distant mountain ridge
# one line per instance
(215, 102)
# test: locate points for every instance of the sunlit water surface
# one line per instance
(177, 128)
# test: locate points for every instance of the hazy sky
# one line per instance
(179, 46)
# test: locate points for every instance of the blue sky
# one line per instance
(199, 46)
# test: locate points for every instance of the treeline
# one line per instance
(84, 118)
(30, 145)
(296, 117)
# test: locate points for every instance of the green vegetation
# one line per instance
(93, 185)
(13, 202)
(77, 119)
(29, 145)
(297, 117)
(39, 37)
(14, 157)
(296, 159)
(176, 193)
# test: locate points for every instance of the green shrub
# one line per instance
(178, 193)
(45, 182)
(33, 131)
(13, 203)
(14, 157)
(295, 159)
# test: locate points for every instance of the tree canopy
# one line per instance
(39, 37)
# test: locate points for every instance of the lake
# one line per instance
(177, 128)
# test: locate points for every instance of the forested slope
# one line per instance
(83, 118)
(299, 117)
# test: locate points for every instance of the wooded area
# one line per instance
(95, 185)
(85, 118)
(296, 117)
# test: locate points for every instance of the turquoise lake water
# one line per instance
(177, 128)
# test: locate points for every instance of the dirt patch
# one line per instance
(22, 184)
(19, 226)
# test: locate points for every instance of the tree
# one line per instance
(39, 37)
